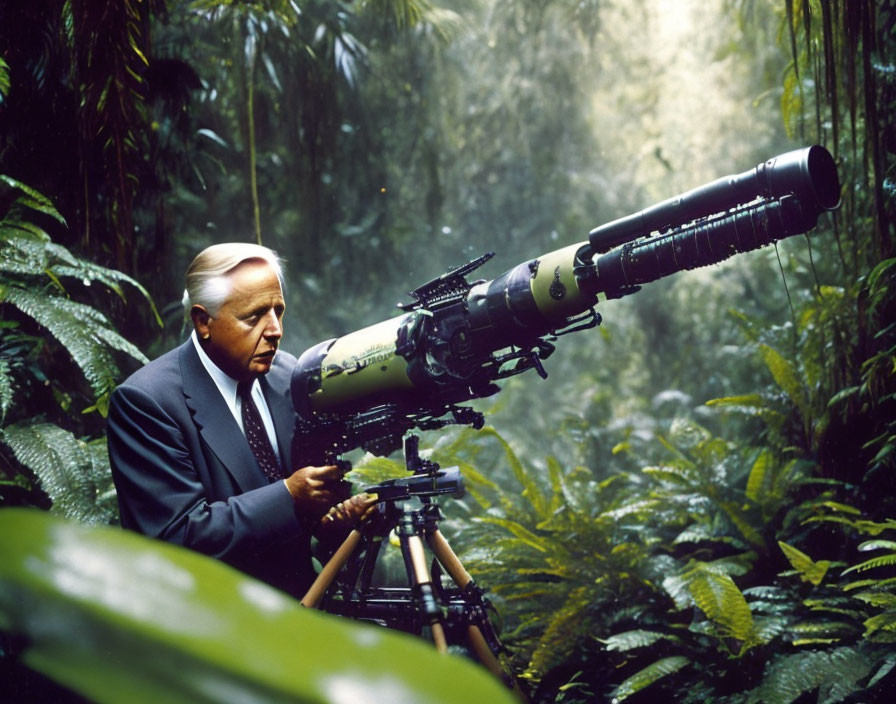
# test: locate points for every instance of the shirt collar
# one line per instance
(226, 384)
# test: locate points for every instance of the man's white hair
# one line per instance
(207, 280)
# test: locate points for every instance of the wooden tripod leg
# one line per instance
(331, 569)
(414, 548)
(445, 555)
(478, 642)
(484, 653)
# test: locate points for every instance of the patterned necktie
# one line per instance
(259, 442)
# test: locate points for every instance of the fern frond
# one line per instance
(24, 248)
(563, 632)
(876, 583)
(884, 600)
(66, 467)
(790, 677)
(33, 199)
(877, 545)
(861, 525)
(785, 375)
(650, 674)
(888, 664)
(843, 508)
(475, 483)
(770, 594)
(677, 586)
(88, 272)
(873, 563)
(682, 459)
(672, 475)
(747, 400)
(531, 490)
(740, 520)
(882, 622)
(6, 392)
(558, 486)
(524, 535)
(374, 470)
(631, 640)
(84, 333)
(826, 630)
(769, 627)
(695, 533)
(639, 508)
(809, 570)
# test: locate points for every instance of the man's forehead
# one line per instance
(256, 280)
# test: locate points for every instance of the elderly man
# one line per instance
(200, 440)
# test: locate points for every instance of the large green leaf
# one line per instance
(118, 617)
(723, 603)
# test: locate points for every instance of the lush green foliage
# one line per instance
(46, 338)
(698, 504)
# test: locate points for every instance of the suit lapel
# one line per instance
(215, 422)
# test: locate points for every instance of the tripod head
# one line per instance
(442, 481)
(428, 478)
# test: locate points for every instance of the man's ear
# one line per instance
(200, 318)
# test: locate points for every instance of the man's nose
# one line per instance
(274, 327)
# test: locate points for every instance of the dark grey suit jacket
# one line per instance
(184, 471)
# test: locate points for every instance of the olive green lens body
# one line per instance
(365, 364)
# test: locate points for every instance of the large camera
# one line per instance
(456, 338)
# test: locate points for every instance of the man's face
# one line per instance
(244, 334)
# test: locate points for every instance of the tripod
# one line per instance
(452, 616)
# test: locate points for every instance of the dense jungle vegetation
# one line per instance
(699, 503)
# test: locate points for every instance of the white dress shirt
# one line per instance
(227, 387)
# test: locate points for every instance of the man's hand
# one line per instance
(315, 489)
(355, 510)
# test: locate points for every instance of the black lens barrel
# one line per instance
(703, 243)
(810, 174)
